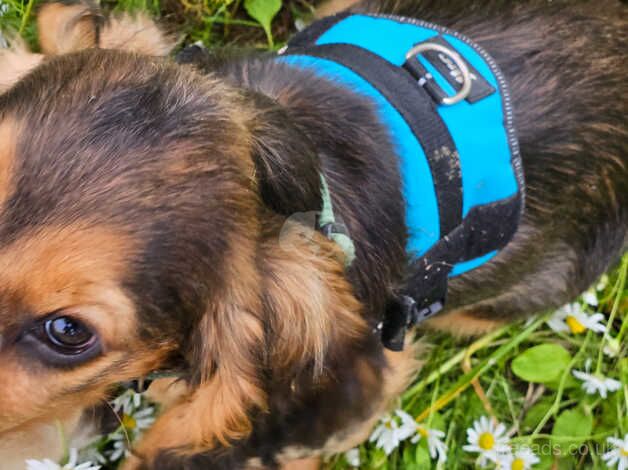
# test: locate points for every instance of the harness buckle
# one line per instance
(426, 79)
(402, 315)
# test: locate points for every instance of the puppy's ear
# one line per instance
(65, 28)
(286, 163)
(15, 62)
(312, 311)
(226, 357)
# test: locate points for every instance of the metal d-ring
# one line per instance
(462, 66)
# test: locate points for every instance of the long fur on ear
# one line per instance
(310, 304)
(226, 357)
(67, 28)
(15, 62)
(282, 317)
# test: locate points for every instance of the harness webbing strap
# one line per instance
(417, 109)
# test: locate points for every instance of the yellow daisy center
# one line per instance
(486, 441)
(129, 422)
(388, 424)
(422, 431)
(518, 464)
(623, 451)
(574, 325)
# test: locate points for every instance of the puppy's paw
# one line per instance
(15, 62)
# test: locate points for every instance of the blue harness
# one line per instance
(446, 107)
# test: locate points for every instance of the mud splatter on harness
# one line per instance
(446, 106)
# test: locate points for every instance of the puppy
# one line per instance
(147, 223)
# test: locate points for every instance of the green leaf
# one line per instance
(415, 458)
(422, 457)
(263, 11)
(574, 424)
(535, 414)
(541, 364)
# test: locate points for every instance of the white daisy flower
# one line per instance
(72, 464)
(619, 455)
(353, 457)
(488, 437)
(386, 435)
(4, 8)
(120, 450)
(435, 444)
(572, 319)
(128, 402)
(390, 433)
(596, 383)
(590, 297)
(139, 420)
(522, 459)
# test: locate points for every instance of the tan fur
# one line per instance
(37, 441)
(68, 269)
(401, 370)
(303, 464)
(315, 305)
(313, 300)
(16, 62)
(167, 392)
(463, 323)
(229, 339)
(66, 28)
(136, 33)
(8, 141)
(331, 7)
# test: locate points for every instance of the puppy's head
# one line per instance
(135, 234)
(123, 193)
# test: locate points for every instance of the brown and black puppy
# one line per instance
(143, 210)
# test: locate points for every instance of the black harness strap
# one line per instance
(417, 108)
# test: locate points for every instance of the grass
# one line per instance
(520, 375)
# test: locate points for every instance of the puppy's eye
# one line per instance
(61, 341)
(67, 334)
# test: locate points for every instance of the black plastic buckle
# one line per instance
(402, 314)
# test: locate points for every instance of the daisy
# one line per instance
(435, 444)
(72, 464)
(521, 459)
(487, 437)
(139, 420)
(619, 455)
(389, 434)
(572, 319)
(120, 450)
(353, 457)
(590, 297)
(128, 402)
(596, 383)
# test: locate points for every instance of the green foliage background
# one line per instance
(524, 370)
